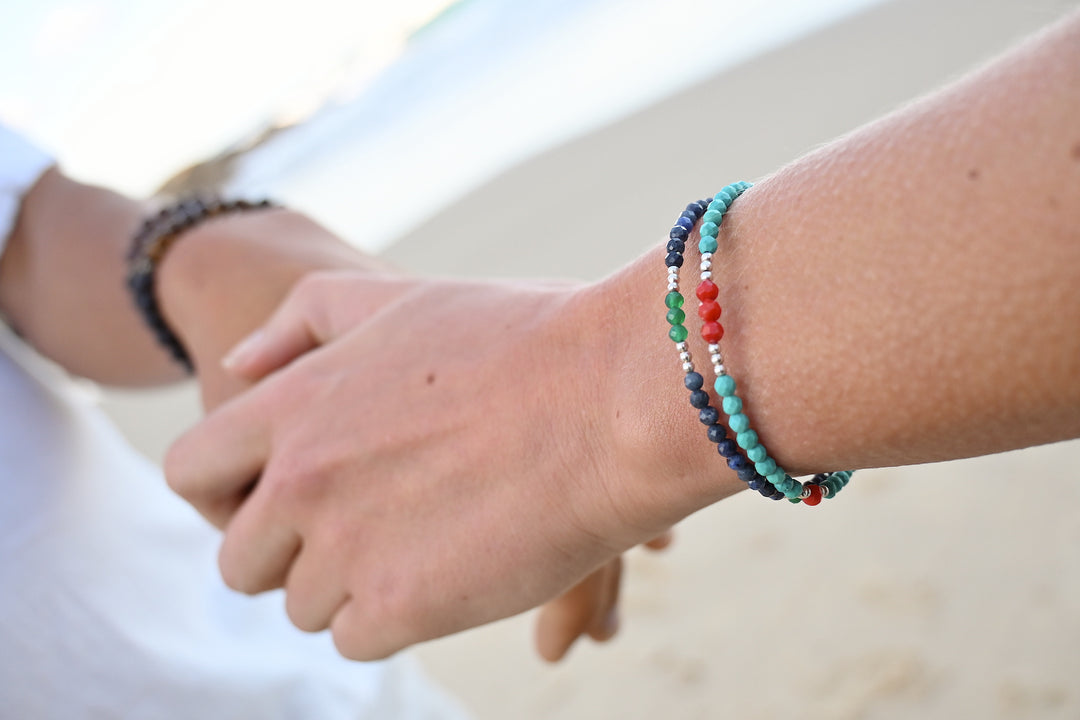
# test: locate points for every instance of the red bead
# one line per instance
(707, 290)
(712, 332)
(815, 495)
(709, 310)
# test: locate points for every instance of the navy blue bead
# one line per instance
(777, 495)
(693, 208)
(693, 381)
(757, 482)
(717, 433)
(746, 474)
(675, 245)
(728, 448)
(738, 462)
(679, 233)
(699, 398)
(705, 204)
(768, 491)
(685, 222)
(709, 416)
(673, 260)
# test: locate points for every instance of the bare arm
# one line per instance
(909, 293)
(906, 294)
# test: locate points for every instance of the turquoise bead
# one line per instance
(710, 229)
(747, 439)
(738, 422)
(725, 196)
(724, 385)
(766, 467)
(676, 316)
(718, 207)
(713, 216)
(708, 244)
(732, 404)
(793, 492)
(757, 454)
(674, 300)
(776, 477)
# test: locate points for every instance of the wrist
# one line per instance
(667, 467)
(226, 276)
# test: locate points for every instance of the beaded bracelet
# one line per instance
(745, 454)
(148, 247)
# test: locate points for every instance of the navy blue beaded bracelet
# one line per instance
(744, 452)
(153, 239)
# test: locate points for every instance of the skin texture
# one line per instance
(62, 288)
(454, 453)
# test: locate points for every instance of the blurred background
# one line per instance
(493, 137)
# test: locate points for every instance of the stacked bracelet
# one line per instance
(148, 247)
(745, 453)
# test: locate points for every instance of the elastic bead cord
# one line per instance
(709, 415)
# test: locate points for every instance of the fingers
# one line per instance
(288, 334)
(322, 306)
(214, 465)
(587, 608)
(259, 546)
(313, 595)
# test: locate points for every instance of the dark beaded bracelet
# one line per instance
(149, 245)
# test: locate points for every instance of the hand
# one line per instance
(440, 465)
(226, 276)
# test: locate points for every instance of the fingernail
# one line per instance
(243, 350)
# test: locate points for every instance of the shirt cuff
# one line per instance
(21, 164)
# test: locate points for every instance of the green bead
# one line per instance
(710, 229)
(678, 333)
(757, 453)
(708, 244)
(724, 385)
(738, 422)
(674, 300)
(766, 467)
(794, 501)
(747, 439)
(732, 404)
(713, 216)
(676, 316)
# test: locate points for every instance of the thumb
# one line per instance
(295, 328)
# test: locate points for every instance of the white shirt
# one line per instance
(110, 601)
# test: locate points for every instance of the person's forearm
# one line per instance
(909, 293)
(62, 283)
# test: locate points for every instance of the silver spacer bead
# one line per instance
(688, 367)
(673, 286)
(714, 348)
(706, 275)
(706, 266)
(684, 356)
(716, 359)
(706, 257)
(681, 346)
(719, 369)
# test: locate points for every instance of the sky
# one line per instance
(170, 82)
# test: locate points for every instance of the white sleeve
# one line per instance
(21, 164)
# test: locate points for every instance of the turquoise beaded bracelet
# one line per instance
(753, 464)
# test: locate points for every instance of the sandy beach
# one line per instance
(944, 591)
